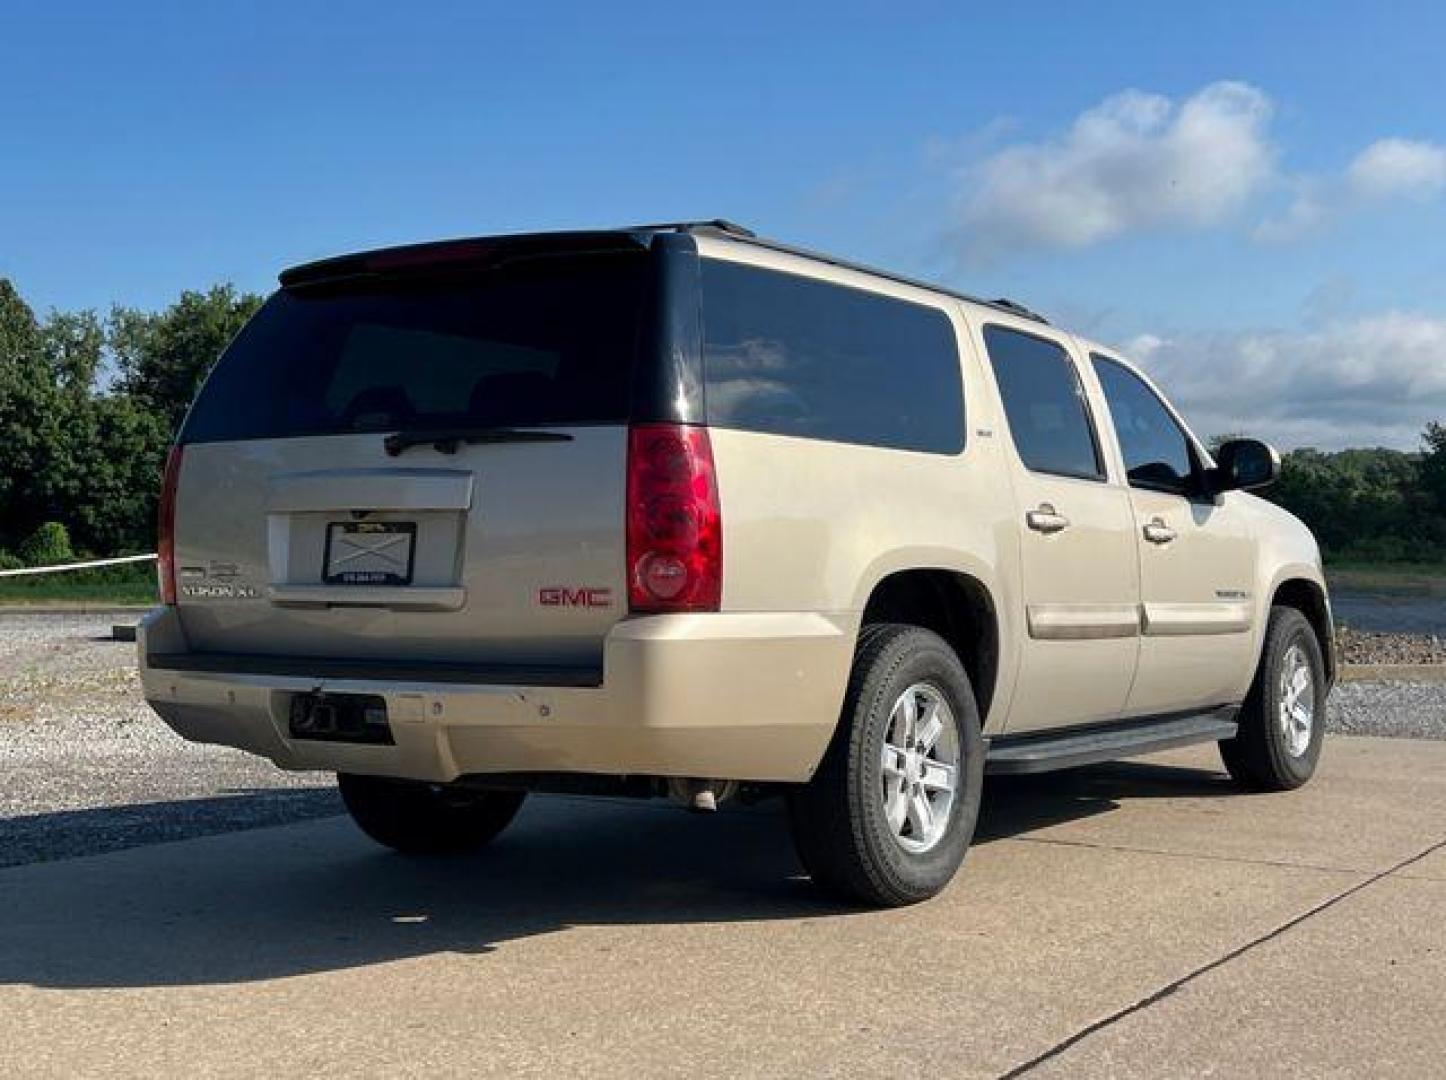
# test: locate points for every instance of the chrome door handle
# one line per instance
(1157, 532)
(1046, 520)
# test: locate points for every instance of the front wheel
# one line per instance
(889, 815)
(426, 819)
(1282, 723)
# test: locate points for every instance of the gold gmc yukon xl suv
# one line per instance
(675, 510)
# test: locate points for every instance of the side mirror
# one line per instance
(1245, 465)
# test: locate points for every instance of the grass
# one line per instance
(1423, 578)
(130, 584)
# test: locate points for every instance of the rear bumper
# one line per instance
(738, 696)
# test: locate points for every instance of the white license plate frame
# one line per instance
(369, 553)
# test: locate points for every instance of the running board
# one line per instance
(1039, 752)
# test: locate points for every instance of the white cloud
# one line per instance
(1311, 209)
(1387, 169)
(1392, 167)
(1136, 161)
(1370, 381)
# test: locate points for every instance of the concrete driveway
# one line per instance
(1136, 919)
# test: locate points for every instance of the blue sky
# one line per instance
(1253, 202)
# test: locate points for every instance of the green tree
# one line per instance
(162, 357)
(71, 350)
(30, 420)
(47, 546)
(1433, 465)
(73, 345)
(1364, 504)
(70, 452)
(1431, 490)
(106, 481)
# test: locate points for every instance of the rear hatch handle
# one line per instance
(447, 440)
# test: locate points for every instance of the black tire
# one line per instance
(838, 819)
(1259, 756)
(426, 819)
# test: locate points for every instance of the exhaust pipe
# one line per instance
(700, 795)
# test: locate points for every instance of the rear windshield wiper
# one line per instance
(449, 439)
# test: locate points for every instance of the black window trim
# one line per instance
(668, 384)
(1194, 491)
(1103, 475)
(957, 326)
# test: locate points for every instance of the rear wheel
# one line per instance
(889, 815)
(1282, 723)
(426, 819)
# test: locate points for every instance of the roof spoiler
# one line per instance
(459, 254)
(479, 252)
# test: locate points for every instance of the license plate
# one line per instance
(369, 552)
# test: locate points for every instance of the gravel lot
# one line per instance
(1372, 647)
(1394, 707)
(88, 768)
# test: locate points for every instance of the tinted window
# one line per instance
(792, 356)
(546, 341)
(1044, 404)
(1157, 453)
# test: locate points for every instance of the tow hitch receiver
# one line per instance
(353, 718)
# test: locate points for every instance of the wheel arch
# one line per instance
(1308, 596)
(957, 606)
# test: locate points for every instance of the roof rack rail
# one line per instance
(722, 225)
(739, 233)
(1018, 308)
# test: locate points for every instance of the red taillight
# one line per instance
(675, 525)
(166, 528)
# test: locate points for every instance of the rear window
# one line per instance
(1044, 403)
(547, 341)
(790, 355)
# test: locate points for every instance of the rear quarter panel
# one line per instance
(811, 525)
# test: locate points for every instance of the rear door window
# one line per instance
(543, 341)
(791, 355)
(1044, 403)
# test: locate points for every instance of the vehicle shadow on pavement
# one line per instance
(317, 896)
(67, 834)
(1020, 804)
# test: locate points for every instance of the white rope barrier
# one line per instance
(28, 570)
